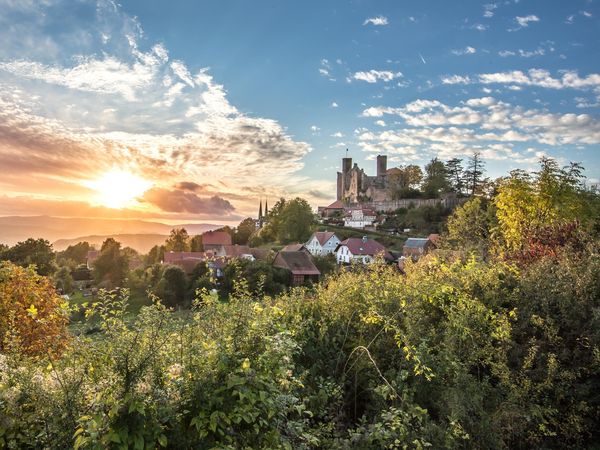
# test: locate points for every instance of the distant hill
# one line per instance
(140, 242)
(17, 228)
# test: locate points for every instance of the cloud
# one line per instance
(377, 21)
(118, 103)
(569, 79)
(179, 201)
(466, 51)
(479, 27)
(337, 134)
(373, 76)
(523, 21)
(334, 105)
(430, 127)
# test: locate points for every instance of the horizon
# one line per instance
(195, 112)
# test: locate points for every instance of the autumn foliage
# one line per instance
(32, 317)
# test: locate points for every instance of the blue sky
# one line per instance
(217, 103)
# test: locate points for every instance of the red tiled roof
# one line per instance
(235, 251)
(323, 236)
(171, 257)
(434, 238)
(336, 205)
(299, 263)
(216, 238)
(369, 247)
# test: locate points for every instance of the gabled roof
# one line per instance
(171, 257)
(299, 263)
(434, 238)
(216, 238)
(336, 205)
(294, 248)
(236, 251)
(416, 242)
(368, 247)
(322, 236)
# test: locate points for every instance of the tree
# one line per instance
(111, 266)
(196, 244)
(32, 251)
(470, 226)
(403, 181)
(171, 287)
(64, 280)
(474, 180)
(178, 241)
(33, 318)
(296, 221)
(436, 180)
(527, 203)
(156, 255)
(244, 231)
(454, 172)
(77, 252)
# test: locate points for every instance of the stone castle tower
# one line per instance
(354, 185)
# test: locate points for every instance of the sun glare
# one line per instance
(119, 188)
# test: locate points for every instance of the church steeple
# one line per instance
(266, 208)
(260, 213)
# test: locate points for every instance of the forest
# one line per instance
(490, 342)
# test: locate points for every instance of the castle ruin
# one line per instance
(355, 186)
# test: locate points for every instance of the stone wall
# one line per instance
(411, 202)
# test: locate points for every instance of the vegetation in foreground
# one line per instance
(493, 342)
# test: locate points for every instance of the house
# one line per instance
(416, 247)
(363, 250)
(336, 208)
(212, 239)
(186, 260)
(299, 264)
(434, 238)
(322, 243)
(360, 218)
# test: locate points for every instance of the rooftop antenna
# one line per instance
(346, 153)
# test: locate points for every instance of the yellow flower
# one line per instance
(32, 311)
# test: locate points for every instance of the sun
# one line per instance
(118, 188)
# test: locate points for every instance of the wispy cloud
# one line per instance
(373, 76)
(465, 51)
(524, 21)
(377, 21)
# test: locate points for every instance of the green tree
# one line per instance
(64, 280)
(196, 244)
(172, 286)
(111, 266)
(455, 173)
(526, 203)
(244, 230)
(178, 241)
(436, 179)
(156, 255)
(470, 227)
(296, 221)
(32, 251)
(474, 180)
(77, 252)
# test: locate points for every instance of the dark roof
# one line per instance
(322, 236)
(236, 251)
(260, 253)
(371, 247)
(416, 242)
(336, 205)
(216, 238)
(299, 263)
(294, 248)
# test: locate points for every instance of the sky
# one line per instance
(197, 110)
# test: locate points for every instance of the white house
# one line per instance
(360, 218)
(360, 250)
(322, 243)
